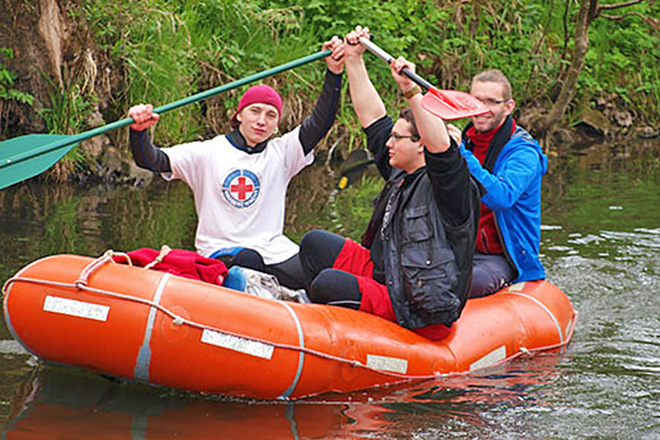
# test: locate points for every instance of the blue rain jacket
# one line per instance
(513, 192)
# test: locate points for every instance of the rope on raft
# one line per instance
(81, 284)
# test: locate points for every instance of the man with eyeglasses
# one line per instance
(415, 262)
(508, 164)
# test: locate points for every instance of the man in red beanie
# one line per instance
(257, 97)
(239, 180)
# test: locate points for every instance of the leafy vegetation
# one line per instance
(67, 113)
(7, 78)
(159, 51)
(8, 94)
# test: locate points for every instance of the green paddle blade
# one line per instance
(26, 156)
(14, 166)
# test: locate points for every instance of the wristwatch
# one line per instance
(412, 92)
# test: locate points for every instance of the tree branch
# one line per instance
(568, 87)
(654, 23)
(622, 16)
(618, 5)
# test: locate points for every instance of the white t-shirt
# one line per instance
(240, 198)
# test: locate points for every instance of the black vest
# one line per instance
(427, 264)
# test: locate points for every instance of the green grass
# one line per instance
(163, 50)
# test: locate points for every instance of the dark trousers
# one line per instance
(489, 274)
(318, 252)
(289, 272)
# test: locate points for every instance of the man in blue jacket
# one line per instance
(508, 164)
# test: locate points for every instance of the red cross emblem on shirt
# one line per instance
(241, 188)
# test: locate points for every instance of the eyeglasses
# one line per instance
(412, 137)
(493, 102)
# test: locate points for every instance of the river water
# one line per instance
(600, 244)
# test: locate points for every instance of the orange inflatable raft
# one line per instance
(162, 329)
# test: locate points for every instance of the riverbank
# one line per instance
(69, 65)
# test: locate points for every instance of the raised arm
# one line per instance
(453, 190)
(366, 101)
(145, 154)
(316, 126)
(432, 129)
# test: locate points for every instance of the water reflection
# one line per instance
(58, 402)
(63, 404)
(38, 220)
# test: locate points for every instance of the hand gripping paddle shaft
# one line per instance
(445, 104)
(26, 156)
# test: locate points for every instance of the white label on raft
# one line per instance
(73, 307)
(253, 348)
(495, 356)
(518, 287)
(385, 363)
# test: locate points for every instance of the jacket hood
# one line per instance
(523, 138)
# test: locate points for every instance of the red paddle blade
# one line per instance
(452, 104)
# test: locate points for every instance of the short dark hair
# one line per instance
(408, 115)
(495, 76)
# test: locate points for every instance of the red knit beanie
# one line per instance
(261, 94)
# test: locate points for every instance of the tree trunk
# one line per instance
(35, 32)
(587, 12)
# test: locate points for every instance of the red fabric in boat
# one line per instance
(187, 264)
(355, 259)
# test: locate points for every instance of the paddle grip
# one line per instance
(380, 53)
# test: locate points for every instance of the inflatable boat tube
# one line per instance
(158, 328)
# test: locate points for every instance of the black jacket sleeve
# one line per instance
(146, 155)
(453, 188)
(323, 116)
(377, 135)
